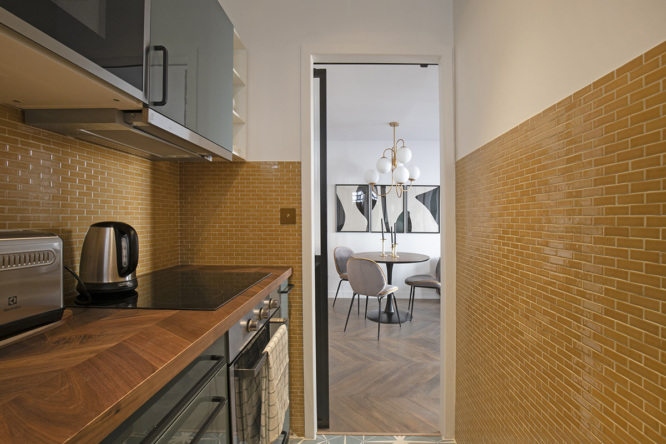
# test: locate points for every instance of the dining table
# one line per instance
(389, 315)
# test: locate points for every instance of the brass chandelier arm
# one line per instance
(373, 190)
(398, 188)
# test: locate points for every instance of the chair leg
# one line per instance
(358, 304)
(350, 308)
(366, 306)
(411, 312)
(397, 312)
(336, 292)
(411, 292)
(379, 324)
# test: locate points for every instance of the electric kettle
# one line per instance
(109, 258)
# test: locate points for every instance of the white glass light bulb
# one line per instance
(400, 175)
(371, 176)
(414, 172)
(384, 165)
(404, 155)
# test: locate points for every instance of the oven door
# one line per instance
(245, 389)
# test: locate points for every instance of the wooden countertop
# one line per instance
(77, 381)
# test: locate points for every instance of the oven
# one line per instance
(248, 372)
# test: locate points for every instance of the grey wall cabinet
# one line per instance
(190, 67)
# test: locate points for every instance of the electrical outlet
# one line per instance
(287, 216)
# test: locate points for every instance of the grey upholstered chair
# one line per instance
(423, 281)
(367, 278)
(340, 256)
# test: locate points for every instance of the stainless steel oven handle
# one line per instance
(254, 371)
(185, 400)
(200, 433)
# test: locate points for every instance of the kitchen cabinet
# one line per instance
(194, 404)
(175, 73)
(190, 76)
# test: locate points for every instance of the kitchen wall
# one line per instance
(203, 213)
(515, 58)
(275, 33)
(343, 171)
(230, 214)
(561, 252)
(51, 182)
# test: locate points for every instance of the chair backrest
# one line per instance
(340, 256)
(366, 277)
(438, 272)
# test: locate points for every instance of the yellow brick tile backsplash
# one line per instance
(561, 275)
(51, 182)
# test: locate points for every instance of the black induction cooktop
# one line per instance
(177, 288)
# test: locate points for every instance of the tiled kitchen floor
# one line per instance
(368, 439)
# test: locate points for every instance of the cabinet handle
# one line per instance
(185, 401)
(165, 74)
(221, 402)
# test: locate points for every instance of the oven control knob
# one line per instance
(252, 325)
(271, 303)
(261, 313)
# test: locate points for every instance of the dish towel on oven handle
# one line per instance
(275, 382)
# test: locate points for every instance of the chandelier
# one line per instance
(395, 163)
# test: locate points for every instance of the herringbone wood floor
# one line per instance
(390, 386)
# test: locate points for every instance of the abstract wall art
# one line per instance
(352, 209)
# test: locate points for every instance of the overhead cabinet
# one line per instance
(170, 61)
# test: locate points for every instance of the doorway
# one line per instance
(358, 132)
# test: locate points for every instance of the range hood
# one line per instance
(145, 133)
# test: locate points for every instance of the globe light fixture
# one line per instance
(393, 160)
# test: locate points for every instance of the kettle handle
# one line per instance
(127, 230)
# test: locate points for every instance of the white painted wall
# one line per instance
(347, 161)
(515, 58)
(274, 33)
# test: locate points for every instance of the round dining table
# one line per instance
(388, 315)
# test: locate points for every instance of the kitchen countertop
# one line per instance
(80, 379)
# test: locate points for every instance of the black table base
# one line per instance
(388, 318)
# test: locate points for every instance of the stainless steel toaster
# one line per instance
(30, 280)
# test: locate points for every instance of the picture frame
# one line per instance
(422, 209)
(389, 208)
(352, 208)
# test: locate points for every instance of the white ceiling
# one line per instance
(363, 99)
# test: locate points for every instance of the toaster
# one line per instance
(30, 280)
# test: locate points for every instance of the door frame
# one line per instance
(443, 56)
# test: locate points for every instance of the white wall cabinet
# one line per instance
(240, 100)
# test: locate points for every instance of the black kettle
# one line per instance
(109, 258)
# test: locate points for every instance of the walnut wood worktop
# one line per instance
(78, 381)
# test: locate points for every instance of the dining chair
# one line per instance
(366, 277)
(340, 257)
(423, 281)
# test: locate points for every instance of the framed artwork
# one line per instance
(390, 209)
(423, 209)
(352, 208)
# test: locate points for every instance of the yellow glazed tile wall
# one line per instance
(55, 183)
(230, 214)
(561, 284)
